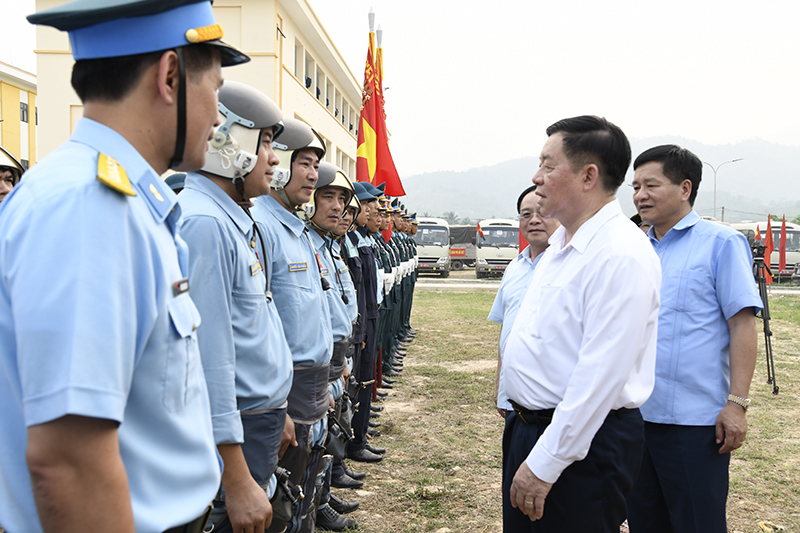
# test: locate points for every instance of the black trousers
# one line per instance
(589, 496)
(683, 483)
(364, 373)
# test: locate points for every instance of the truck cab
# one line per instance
(497, 244)
(433, 246)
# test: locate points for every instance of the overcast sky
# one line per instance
(472, 83)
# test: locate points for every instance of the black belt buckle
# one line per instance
(198, 525)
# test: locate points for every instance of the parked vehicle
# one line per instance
(497, 242)
(792, 244)
(433, 246)
(462, 246)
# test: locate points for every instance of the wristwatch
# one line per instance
(738, 400)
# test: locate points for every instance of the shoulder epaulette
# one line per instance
(111, 173)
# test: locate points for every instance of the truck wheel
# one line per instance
(471, 264)
(456, 265)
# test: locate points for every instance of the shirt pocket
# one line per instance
(688, 290)
(182, 376)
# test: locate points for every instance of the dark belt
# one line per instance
(542, 417)
(338, 360)
(545, 416)
(198, 525)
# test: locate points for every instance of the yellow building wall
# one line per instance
(31, 129)
(9, 96)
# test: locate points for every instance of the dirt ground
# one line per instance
(441, 472)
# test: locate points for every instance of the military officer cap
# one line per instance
(115, 28)
(362, 193)
(413, 218)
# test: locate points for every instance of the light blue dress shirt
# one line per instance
(341, 326)
(707, 278)
(347, 281)
(91, 325)
(295, 283)
(246, 359)
(506, 305)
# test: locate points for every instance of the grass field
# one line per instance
(442, 469)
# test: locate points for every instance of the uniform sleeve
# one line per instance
(80, 281)
(735, 284)
(496, 314)
(210, 282)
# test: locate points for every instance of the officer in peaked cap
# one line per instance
(176, 181)
(102, 380)
(10, 172)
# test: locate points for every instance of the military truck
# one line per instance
(462, 246)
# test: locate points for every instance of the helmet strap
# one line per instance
(180, 137)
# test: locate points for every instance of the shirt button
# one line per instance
(660, 250)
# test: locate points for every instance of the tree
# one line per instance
(796, 220)
(450, 217)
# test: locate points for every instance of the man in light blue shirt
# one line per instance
(246, 360)
(706, 351)
(296, 281)
(101, 382)
(536, 230)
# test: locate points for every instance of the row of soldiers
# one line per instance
(223, 345)
(319, 238)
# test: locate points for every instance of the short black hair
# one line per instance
(591, 139)
(679, 164)
(111, 79)
(522, 196)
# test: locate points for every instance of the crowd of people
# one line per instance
(625, 358)
(203, 351)
(169, 363)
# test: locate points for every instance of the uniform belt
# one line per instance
(197, 525)
(338, 360)
(542, 416)
(309, 396)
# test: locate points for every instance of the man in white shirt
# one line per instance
(580, 359)
(536, 230)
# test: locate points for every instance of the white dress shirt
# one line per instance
(584, 341)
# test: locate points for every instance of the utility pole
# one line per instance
(715, 179)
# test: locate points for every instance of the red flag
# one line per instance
(782, 249)
(374, 161)
(480, 231)
(768, 248)
(758, 233)
(522, 242)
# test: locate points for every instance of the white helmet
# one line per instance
(296, 136)
(233, 151)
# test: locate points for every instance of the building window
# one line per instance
(23, 112)
(24, 163)
(36, 112)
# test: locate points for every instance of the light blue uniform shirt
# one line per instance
(341, 326)
(516, 281)
(707, 278)
(347, 281)
(295, 282)
(90, 325)
(246, 359)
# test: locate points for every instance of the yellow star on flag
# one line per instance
(368, 148)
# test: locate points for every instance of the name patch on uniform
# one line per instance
(324, 271)
(180, 286)
(298, 267)
(343, 269)
(255, 268)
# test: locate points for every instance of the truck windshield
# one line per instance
(432, 236)
(501, 238)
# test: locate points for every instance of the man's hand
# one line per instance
(246, 502)
(731, 427)
(501, 412)
(248, 507)
(528, 492)
(346, 374)
(288, 437)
